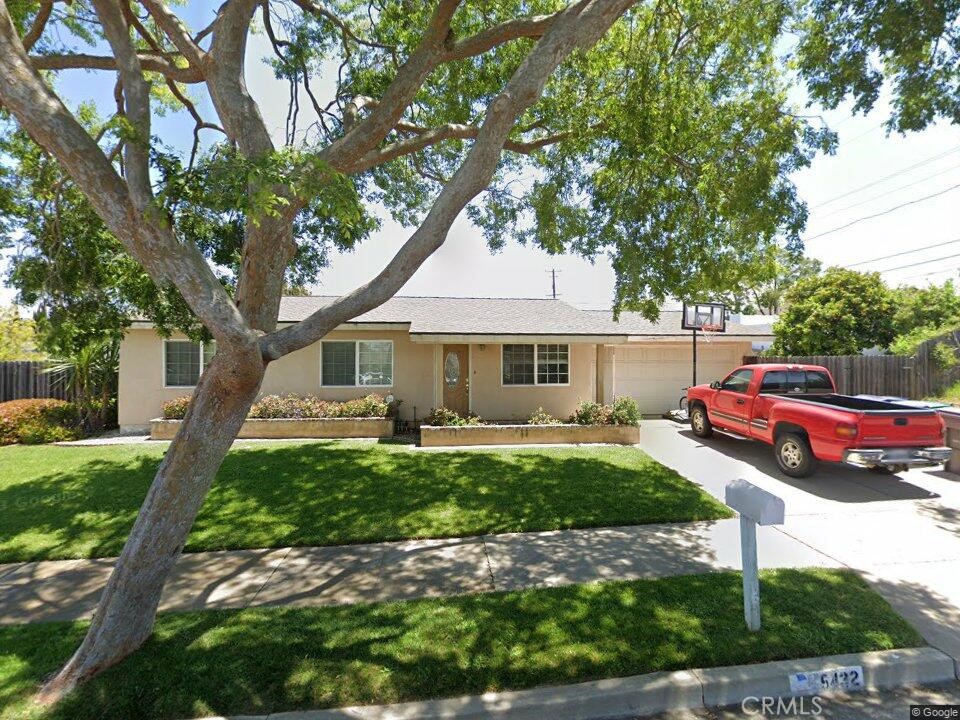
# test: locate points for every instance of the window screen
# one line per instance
(339, 363)
(181, 363)
(376, 362)
(518, 365)
(553, 364)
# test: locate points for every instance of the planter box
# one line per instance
(431, 436)
(292, 428)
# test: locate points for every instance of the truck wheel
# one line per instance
(794, 456)
(700, 423)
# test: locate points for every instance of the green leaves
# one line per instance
(838, 313)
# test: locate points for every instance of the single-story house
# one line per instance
(500, 358)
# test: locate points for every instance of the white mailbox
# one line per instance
(755, 503)
(756, 506)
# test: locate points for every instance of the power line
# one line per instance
(883, 212)
(905, 252)
(887, 177)
(922, 262)
(928, 274)
(889, 192)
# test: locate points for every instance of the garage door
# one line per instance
(655, 375)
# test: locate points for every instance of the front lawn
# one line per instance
(272, 659)
(70, 502)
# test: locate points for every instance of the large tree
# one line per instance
(664, 139)
(841, 312)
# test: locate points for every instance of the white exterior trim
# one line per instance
(535, 358)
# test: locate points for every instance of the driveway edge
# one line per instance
(651, 693)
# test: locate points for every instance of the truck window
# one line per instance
(818, 381)
(774, 381)
(796, 381)
(737, 381)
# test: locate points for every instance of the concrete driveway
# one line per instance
(902, 532)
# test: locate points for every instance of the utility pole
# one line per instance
(553, 282)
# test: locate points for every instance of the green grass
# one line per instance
(270, 660)
(74, 502)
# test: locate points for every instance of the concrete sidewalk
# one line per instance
(69, 590)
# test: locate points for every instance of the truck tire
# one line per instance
(700, 422)
(794, 456)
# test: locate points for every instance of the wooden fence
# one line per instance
(916, 377)
(26, 379)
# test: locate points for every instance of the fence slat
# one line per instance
(916, 377)
(21, 379)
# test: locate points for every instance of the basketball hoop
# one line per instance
(708, 318)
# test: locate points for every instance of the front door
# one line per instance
(456, 378)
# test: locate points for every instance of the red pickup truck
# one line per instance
(796, 409)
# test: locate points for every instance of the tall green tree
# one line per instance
(840, 312)
(935, 306)
(657, 132)
(18, 336)
(766, 280)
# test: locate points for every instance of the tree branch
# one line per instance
(39, 23)
(425, 137)
(136, 96)
(580, 25)
(531, 27)
(148, 61)
(315, 8)
(177, 32)
(43, 115)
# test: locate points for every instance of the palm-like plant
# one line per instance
(89, 376)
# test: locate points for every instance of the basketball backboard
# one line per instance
(709, 317)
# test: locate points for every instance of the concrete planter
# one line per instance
(431, 436)
(255, 428)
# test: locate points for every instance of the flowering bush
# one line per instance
(175, 409)
(444, 417)
(542, 417)
(624, 411)
(38, 421)
(297, 407)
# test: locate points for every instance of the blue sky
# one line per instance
(870, 173)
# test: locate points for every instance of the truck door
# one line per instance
(732, 404)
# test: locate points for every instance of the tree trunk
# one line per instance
(128, 606)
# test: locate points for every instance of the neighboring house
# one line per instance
(500, 358)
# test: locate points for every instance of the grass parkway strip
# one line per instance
(275, 659)
(80, 502)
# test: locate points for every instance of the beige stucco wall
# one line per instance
(141, 390)
(492, 400)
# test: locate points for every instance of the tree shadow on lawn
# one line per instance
(332, 493)
(269, 660)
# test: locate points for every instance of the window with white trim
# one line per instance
(349, 363)
(540, 364)
(185, 360)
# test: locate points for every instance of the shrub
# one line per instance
(444, 417)
(310, 406)
(542, 417)
(625, 411)
(37, 421)
(909, 343)
(944, 356)
(591, 413)
(175, 409)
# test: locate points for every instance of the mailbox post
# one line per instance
(756, 507)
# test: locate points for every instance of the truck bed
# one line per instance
(854, 404)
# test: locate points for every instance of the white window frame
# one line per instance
(164, 363)
(536, 356)
(356, 363)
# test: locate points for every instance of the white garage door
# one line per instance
(655, 375)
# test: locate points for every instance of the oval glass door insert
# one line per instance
(451, 370)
